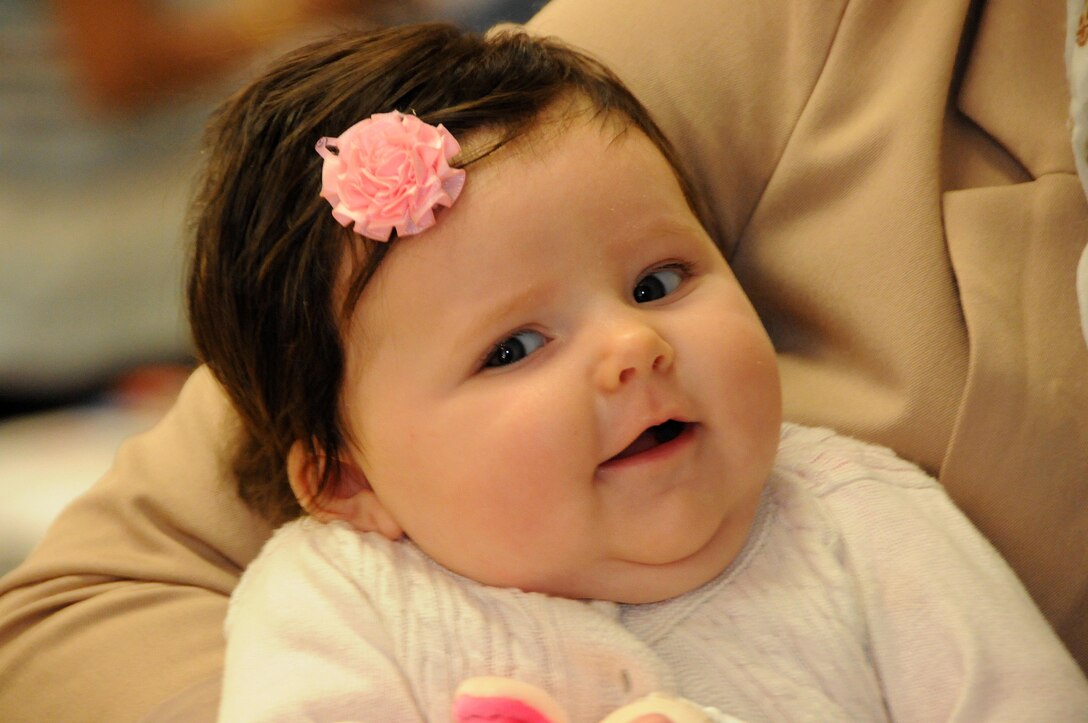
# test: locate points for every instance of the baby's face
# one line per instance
(561, 387)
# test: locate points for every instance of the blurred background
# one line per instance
(101, 107)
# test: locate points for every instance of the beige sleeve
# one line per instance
(122, 606)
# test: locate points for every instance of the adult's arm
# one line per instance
(122, 605)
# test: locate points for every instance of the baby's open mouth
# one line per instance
(653, 437)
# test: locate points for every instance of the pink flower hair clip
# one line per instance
(389, 171)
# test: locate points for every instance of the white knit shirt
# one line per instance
(862, 594)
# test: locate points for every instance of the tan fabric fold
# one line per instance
(845, 257)
(1019, 464)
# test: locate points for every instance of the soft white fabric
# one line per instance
(862, 594)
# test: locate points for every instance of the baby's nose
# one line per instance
(631, 351)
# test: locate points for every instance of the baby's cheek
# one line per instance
(547, 432)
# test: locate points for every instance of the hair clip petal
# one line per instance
(389, 171)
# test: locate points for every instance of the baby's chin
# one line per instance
(658, 587)
(653, 580)
(628, 573)
(668, 572)
(636, 583)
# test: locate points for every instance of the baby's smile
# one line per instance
(652, 438)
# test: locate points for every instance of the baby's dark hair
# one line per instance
(268, 252)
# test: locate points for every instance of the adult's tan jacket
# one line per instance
(892, 182)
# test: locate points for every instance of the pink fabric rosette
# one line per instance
(388, 172)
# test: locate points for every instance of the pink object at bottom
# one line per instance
(495, 709)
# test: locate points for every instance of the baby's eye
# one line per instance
(514, 349)
(657, 284)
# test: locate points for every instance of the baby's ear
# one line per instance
(347, 497)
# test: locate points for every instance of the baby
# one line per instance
(459, 290)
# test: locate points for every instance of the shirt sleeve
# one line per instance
(954, 634)
(304, 643)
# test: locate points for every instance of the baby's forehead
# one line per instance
(543, 132)
(555, 151)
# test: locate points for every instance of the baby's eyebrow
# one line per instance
(669, 225)
(508, 309)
